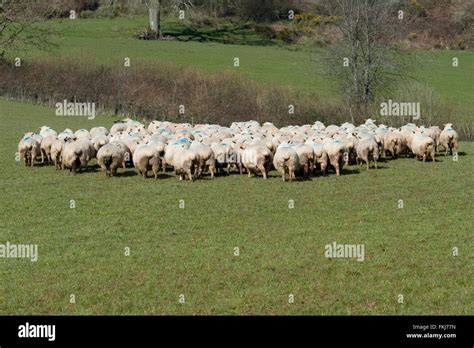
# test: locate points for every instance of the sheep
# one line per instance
(434, 133)
(257, 158)
(146, 156)
(320, 157)
(335, 150)
(407, 132)
(305, 157)
(29, 148)
(423, 146)
(56, 153)
(118, 127)
(185, 161)
(367, 150)
(96, 131)
(350, 143)
(247, 145)
(393, 144)
(449, 138)
(66, 135)
(99, 140)
(206, 157)
(46, 147)
(82, 133)
(159, 147)
(286, 160)
(89, 148)
(171, 147)
(110, 157)
(74, 156)
(127, 155)
(45, 131)
(225, 156)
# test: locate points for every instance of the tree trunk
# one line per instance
(160, 34)
(154, 18)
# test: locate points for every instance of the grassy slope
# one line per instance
(110, 40)
(190, 250)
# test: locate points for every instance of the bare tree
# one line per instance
(364, 63)
(19, 27)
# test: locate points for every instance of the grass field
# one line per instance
(110, 40)
(190, 251)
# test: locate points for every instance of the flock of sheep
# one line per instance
(246, 146)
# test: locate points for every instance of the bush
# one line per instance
(87, 14)
(156, 91)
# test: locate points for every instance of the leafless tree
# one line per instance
(365, 63)
(19, 29)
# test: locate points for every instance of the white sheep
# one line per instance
(56, 153)
(110, 157)
(305, 157)
(423, 146)
(184, 161)
(394, 143)
(146, 157)
(257, 158)
(449, 138)
(367, 150)
(285, 161)
(335, 150)
(206, 157)
(74, 156)
(29, 148)
(46, 144)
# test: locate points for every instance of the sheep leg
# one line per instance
(190, 175)
(156, 169)
(211, 170)
(282, 173)
(163, 164)
(263, 170)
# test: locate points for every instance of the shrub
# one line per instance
(156, 91)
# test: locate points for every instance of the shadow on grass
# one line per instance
(229, 34)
